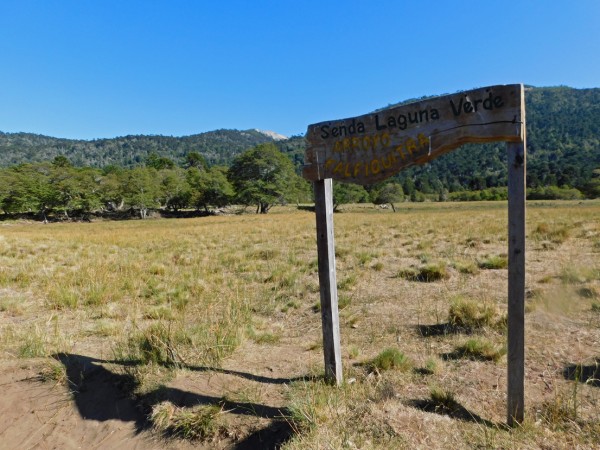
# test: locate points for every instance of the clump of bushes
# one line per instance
(554, 193)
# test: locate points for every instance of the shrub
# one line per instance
(554, 193)
(154, 345)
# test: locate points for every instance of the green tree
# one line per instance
(61, 161)
(195, 159)
(73, 189)
(175, 190)
(211, 187)
(88, 197)
(388, 193)
(27, 188)
(408, 186)
(142, 189)
(592, 188)
(262, 176)
(159, 162)
(112, 187)
(344, 193)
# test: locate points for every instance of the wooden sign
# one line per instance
(373, 147)
(370, 148)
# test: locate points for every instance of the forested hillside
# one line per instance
(563, 145)
(218, 147)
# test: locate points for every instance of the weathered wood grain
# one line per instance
(327, 281)
(516, 283)
(372, 147)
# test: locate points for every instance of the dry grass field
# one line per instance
(206, 333)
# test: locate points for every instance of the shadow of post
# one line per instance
(454, 410)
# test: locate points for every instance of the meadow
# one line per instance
(209, 329)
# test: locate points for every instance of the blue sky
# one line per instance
(98, 69)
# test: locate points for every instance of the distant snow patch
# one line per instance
(272, 135)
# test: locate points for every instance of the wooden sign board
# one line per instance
(370, 148)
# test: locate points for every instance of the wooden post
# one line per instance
(327, 280)
(516, 281)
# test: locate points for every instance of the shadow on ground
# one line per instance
(100, 394)
(584, 374)
(441, 329)
(249, 376)
(452, 409)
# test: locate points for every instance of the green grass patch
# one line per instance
(494, 262)
(266, 338)
(466, 267)
(390, 358)
(426, 274)
(479, 349)
(364, 258)
(33, 344)
(556, 234)
(348, 283)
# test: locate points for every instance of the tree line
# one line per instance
(261, 176)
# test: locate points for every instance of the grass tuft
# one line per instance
(427, 273)
(479, 349)
(53, 372)
(588, 292)
(348, 282)
(391, 358)
(443, 400)
(154, 345)
(199, 423)
(466, 267)
(471, 315)
(33, 344)
(494, 262)
(556, 234)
